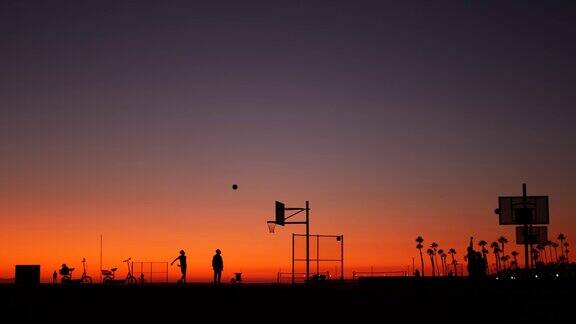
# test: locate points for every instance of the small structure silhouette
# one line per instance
(217, 266)
(237, 277)
(182, 265)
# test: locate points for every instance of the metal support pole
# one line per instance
(317, 254)
(341, 257)
(100, 257)
(526, 235)
(292, 260)
(307, 241)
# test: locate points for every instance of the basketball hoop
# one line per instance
(271, 226)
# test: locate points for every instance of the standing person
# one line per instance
(182, 265)
(218, 266)
(54, 277)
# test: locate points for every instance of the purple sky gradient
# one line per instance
(367, 99)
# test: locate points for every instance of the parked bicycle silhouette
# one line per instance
(109, 275)
(130, 279)
(66, 274)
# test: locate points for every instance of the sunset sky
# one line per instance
(132, 120)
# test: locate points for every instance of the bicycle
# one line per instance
(86, 279)
(108, 275)
(130, 279)
(66, 274)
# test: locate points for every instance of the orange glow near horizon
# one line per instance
(53, 227)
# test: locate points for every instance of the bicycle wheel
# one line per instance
(86, 280)
(131, 280)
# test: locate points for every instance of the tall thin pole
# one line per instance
(307, 241)
(526, 235)
(100, 257)
(341, 257)
(317, 254)
(292, 259)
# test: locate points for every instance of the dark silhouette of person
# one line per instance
(55, 277)
(182, 265)
(64, 270)
(476, 263)
(218, 266)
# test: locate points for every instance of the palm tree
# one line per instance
(555, 246)
(535, 255)
(452, 251)
(443, 257)
(434, 247)
(541, 248)
(496, 250)
(419, 246)
(482, 245)
(432, 254)
(505, 259)
(566, 252)
(561, 238)
(502, 240)
(515, 256)
(549, 245)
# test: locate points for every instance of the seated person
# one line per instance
(64, 271)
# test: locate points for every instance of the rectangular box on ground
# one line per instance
(27, 275)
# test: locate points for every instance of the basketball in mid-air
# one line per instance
(235, 186)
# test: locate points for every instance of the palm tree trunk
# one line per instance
(436, 262)
(433, 270)
(454, 264)
(422, 262)
(556, 254)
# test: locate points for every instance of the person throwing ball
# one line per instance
(182, 265)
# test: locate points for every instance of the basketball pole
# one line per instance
(525, 202)
(307, 242)
(100, 257)
(342, 257)
(292, 259)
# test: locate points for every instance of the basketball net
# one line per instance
(271, 227)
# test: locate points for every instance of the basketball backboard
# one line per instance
(511, 210)
(536, 235)
(280, 213)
